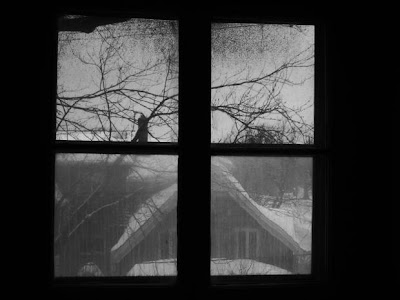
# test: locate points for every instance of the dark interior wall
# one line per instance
(361, 152)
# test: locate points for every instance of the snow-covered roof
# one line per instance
(144, 220)
(218, 267)
(291, 223)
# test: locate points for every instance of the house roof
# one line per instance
(144, 220)
(291, 223)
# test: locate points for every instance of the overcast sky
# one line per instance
(238, 51)
(249, 50)
(142, 43)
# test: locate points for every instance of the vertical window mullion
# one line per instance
(194, 157)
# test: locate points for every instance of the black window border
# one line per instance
(194, 142)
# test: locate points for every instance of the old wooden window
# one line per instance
(231, 120)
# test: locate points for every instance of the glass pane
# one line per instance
(115, 215)
(261, 215)
(262, 88)
(117, 79)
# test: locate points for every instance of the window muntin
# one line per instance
(117, 79)
(262, 89)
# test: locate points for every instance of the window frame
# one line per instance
(193, 137)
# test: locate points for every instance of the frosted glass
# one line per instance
(115, 215)
(261, 215)
(262, 83)
(116, 79)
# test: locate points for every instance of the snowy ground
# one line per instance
(218, 266)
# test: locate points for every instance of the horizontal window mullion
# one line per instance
(255, 150)
(113, 148)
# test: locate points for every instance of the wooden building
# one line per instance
(268, 241)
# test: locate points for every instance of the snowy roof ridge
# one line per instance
(284, 225)
(144, 220)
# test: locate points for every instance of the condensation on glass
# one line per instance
(262, 88)
(115, 215)
(117, 79)
(261, 215)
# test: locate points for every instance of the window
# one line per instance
(209, 169)
(246, 243)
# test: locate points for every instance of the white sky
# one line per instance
(251, 48)
(259, 49)
(143, 43)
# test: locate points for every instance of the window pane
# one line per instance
(117, 79)
(115, 215)
(261, 215)
(262, 88)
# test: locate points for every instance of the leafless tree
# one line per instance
(111, 72)
(98, 194)
(106, 80)
(110, 76)
(256, 69)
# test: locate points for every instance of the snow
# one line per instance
(219, 266)
(163, 267)
(144, 213)
(244, 267)
(291, 219)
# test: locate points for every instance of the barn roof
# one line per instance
(144, 220)
(291, 223)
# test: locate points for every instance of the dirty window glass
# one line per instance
(261, 215)
(262, 83)
(115, 215)
(117, 79)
